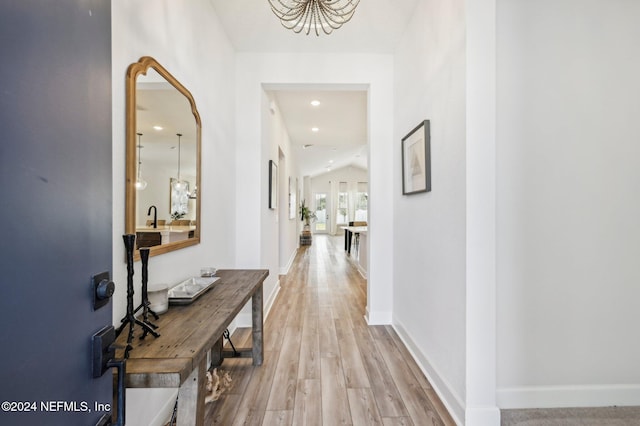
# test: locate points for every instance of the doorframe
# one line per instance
(256, 73)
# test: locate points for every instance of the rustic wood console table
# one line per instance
(178, 357)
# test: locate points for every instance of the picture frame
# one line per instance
(293, 208)
(416, 160)
(178, 198)
(273, 185)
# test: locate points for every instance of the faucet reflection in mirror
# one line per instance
(155, 215)
(140, 183)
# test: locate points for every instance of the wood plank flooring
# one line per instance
(323, 364)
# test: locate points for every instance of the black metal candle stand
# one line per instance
(129, 318)
(144, 305)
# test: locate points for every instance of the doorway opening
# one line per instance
(323, 132)
(320, 211)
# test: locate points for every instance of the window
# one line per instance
(342, 213)
(362, 202)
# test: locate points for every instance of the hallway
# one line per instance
(323, 365)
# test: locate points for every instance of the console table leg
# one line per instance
(191, 397)
(257, 319)
(216, 353)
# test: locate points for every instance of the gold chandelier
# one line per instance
(305, 15)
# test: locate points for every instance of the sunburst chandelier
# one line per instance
(305, 15)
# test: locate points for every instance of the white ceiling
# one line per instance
(341, 120)
(376, 27)
(160, 104)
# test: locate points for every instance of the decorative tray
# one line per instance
(190, 289)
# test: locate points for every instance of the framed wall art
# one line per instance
(293, 207)
(273, 185)
(416, 160)
(178, 198)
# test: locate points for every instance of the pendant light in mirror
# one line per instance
(140, 183)
(178, 182)
(179, 190)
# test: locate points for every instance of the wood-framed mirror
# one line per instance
(163, 143)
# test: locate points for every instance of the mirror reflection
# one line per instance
(163, 174)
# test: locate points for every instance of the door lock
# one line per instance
(103, 289)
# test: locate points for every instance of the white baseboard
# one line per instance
(455, 405)
(378, 317)
(568, 396)
(482, 416)
(165, 413)
(146, 404)
(271, 300)
(363, 272)
(243, 319)
(284, 270)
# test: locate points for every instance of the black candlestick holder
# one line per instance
(144, 305)
(129, 244)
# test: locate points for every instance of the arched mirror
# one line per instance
(163, 160)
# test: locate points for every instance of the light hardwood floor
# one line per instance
(323, 364)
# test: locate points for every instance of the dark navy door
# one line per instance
(56, 208)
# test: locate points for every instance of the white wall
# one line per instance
(481, 407)
(429, 228)
(568, 206)
(278, 231)
(278, 137)
(186, 38)
(278, 234)
(374, 72)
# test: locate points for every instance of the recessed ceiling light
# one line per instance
(315, 102)
(157, 127)
(330, 161)
(315, 129)
(309, 145)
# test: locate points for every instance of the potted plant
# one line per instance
(177, 215)
(306, 215)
